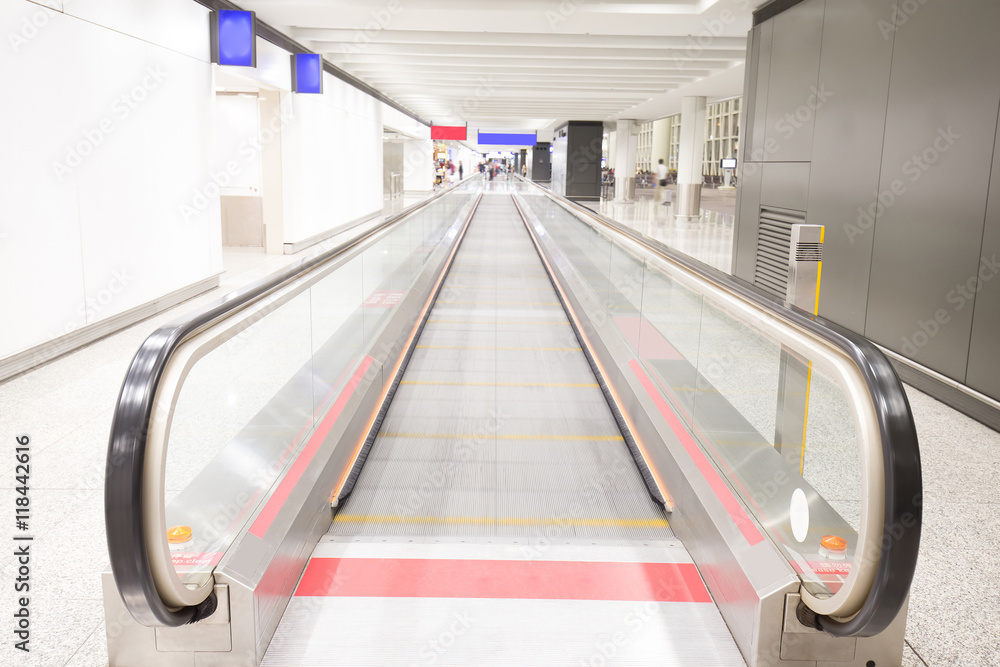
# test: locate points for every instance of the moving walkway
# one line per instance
(501, 429)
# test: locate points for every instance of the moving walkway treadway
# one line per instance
(502, 430)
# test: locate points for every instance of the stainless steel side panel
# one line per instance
(748, 583)
(260, 574)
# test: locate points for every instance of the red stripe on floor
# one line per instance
(278, 498)
(502, 579)
(729, 501)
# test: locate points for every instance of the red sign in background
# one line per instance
(449, 133)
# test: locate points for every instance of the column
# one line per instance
(418, 165)
(691, 159)
(626, 149)
(272, 185)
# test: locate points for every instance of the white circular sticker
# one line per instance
(798, 514)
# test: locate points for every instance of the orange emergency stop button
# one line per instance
(179, 534)
(834, 544)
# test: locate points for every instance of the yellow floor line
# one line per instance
(503, 349)
(495, 303)
(484, 436)
(499, 521)
(502, 384)
(495, 322)
(547, 288)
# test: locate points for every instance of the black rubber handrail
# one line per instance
(900, 449)
(123, 487)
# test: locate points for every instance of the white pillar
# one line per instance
(272, 186)
(690, 161)
(626, 149)
(418, 165)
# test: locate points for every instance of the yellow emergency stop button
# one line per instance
(179, 534)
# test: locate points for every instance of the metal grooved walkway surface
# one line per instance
(500, 519)
(498, 427)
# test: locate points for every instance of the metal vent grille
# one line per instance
(809, 252)
(774, 240)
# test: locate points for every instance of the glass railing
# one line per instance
(807, 423)
(215, 407)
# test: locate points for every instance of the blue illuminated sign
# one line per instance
(307, 73)
(500, 139)
(234, 38)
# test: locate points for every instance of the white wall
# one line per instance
(331, 159)
(418, 165)
(399, 122)
(107, 136)
(136, 216)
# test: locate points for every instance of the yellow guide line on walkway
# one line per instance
(503, 349)
(495, 303)
(546, 288)
(498, 521)
(495, 322)
(502, 384)
(483, 436)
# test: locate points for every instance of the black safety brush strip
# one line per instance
(633, 446)
(383, 410)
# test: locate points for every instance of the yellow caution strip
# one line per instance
(482, 436)
(495, 322)
(498, 521)
(547, 288)
(503, 349)
(495, 303)
(504, 384)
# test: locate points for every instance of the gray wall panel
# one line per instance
(785, 185)
(795, 52)
(847, 150)
(540, 162)
(583, 168)
(560, 157)
(748, 217)
(750, 90)
(943, 99)
(984, 353)
(762, 70)
(746, 123)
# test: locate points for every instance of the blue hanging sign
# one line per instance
(307, 73)
(234, 38)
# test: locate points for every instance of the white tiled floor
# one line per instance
(66, 408)
(709, 240)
